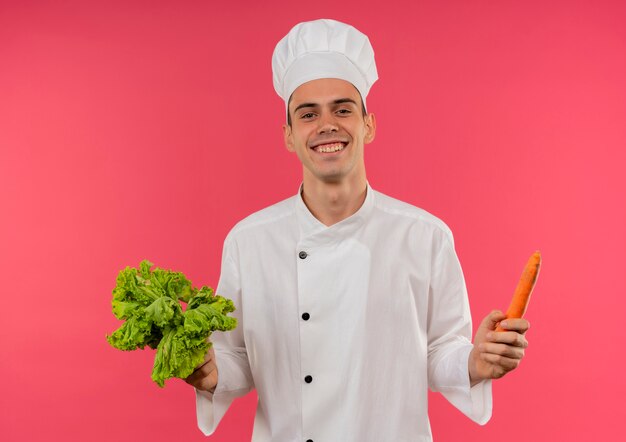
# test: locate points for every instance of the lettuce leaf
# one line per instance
(149, 302)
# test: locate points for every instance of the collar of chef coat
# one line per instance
(314, 232)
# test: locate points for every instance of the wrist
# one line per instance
(474, 378)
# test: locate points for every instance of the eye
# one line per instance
(344, 111)
(307, 115)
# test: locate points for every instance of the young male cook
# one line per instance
(351, 304)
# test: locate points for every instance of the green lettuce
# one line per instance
(149, 302)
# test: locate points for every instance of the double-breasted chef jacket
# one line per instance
(343, 329)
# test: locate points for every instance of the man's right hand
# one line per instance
(204, 377)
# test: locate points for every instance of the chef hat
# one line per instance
(323, 49)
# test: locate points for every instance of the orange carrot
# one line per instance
(524, 288)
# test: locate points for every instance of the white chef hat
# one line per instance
(323, 49)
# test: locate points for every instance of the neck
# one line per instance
(333, 202)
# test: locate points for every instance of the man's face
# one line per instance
(328, 130)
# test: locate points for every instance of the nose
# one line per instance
(327, 123)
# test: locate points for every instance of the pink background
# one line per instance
(133, 130)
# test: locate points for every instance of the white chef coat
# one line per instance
(342, 329)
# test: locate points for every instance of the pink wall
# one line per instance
(133, 130)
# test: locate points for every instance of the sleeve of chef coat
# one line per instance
(234, 376)
(450, 334)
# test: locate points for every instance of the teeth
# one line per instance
(335, 147)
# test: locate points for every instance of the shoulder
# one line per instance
(269, 218)
(400, 212)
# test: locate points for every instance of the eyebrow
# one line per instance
(338, 101)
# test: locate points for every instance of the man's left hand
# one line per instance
(496, 353)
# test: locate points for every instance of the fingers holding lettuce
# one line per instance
(204, 377)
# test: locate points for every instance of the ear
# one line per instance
(287, 135)
(370, 128)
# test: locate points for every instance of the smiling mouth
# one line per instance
(330, 147)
